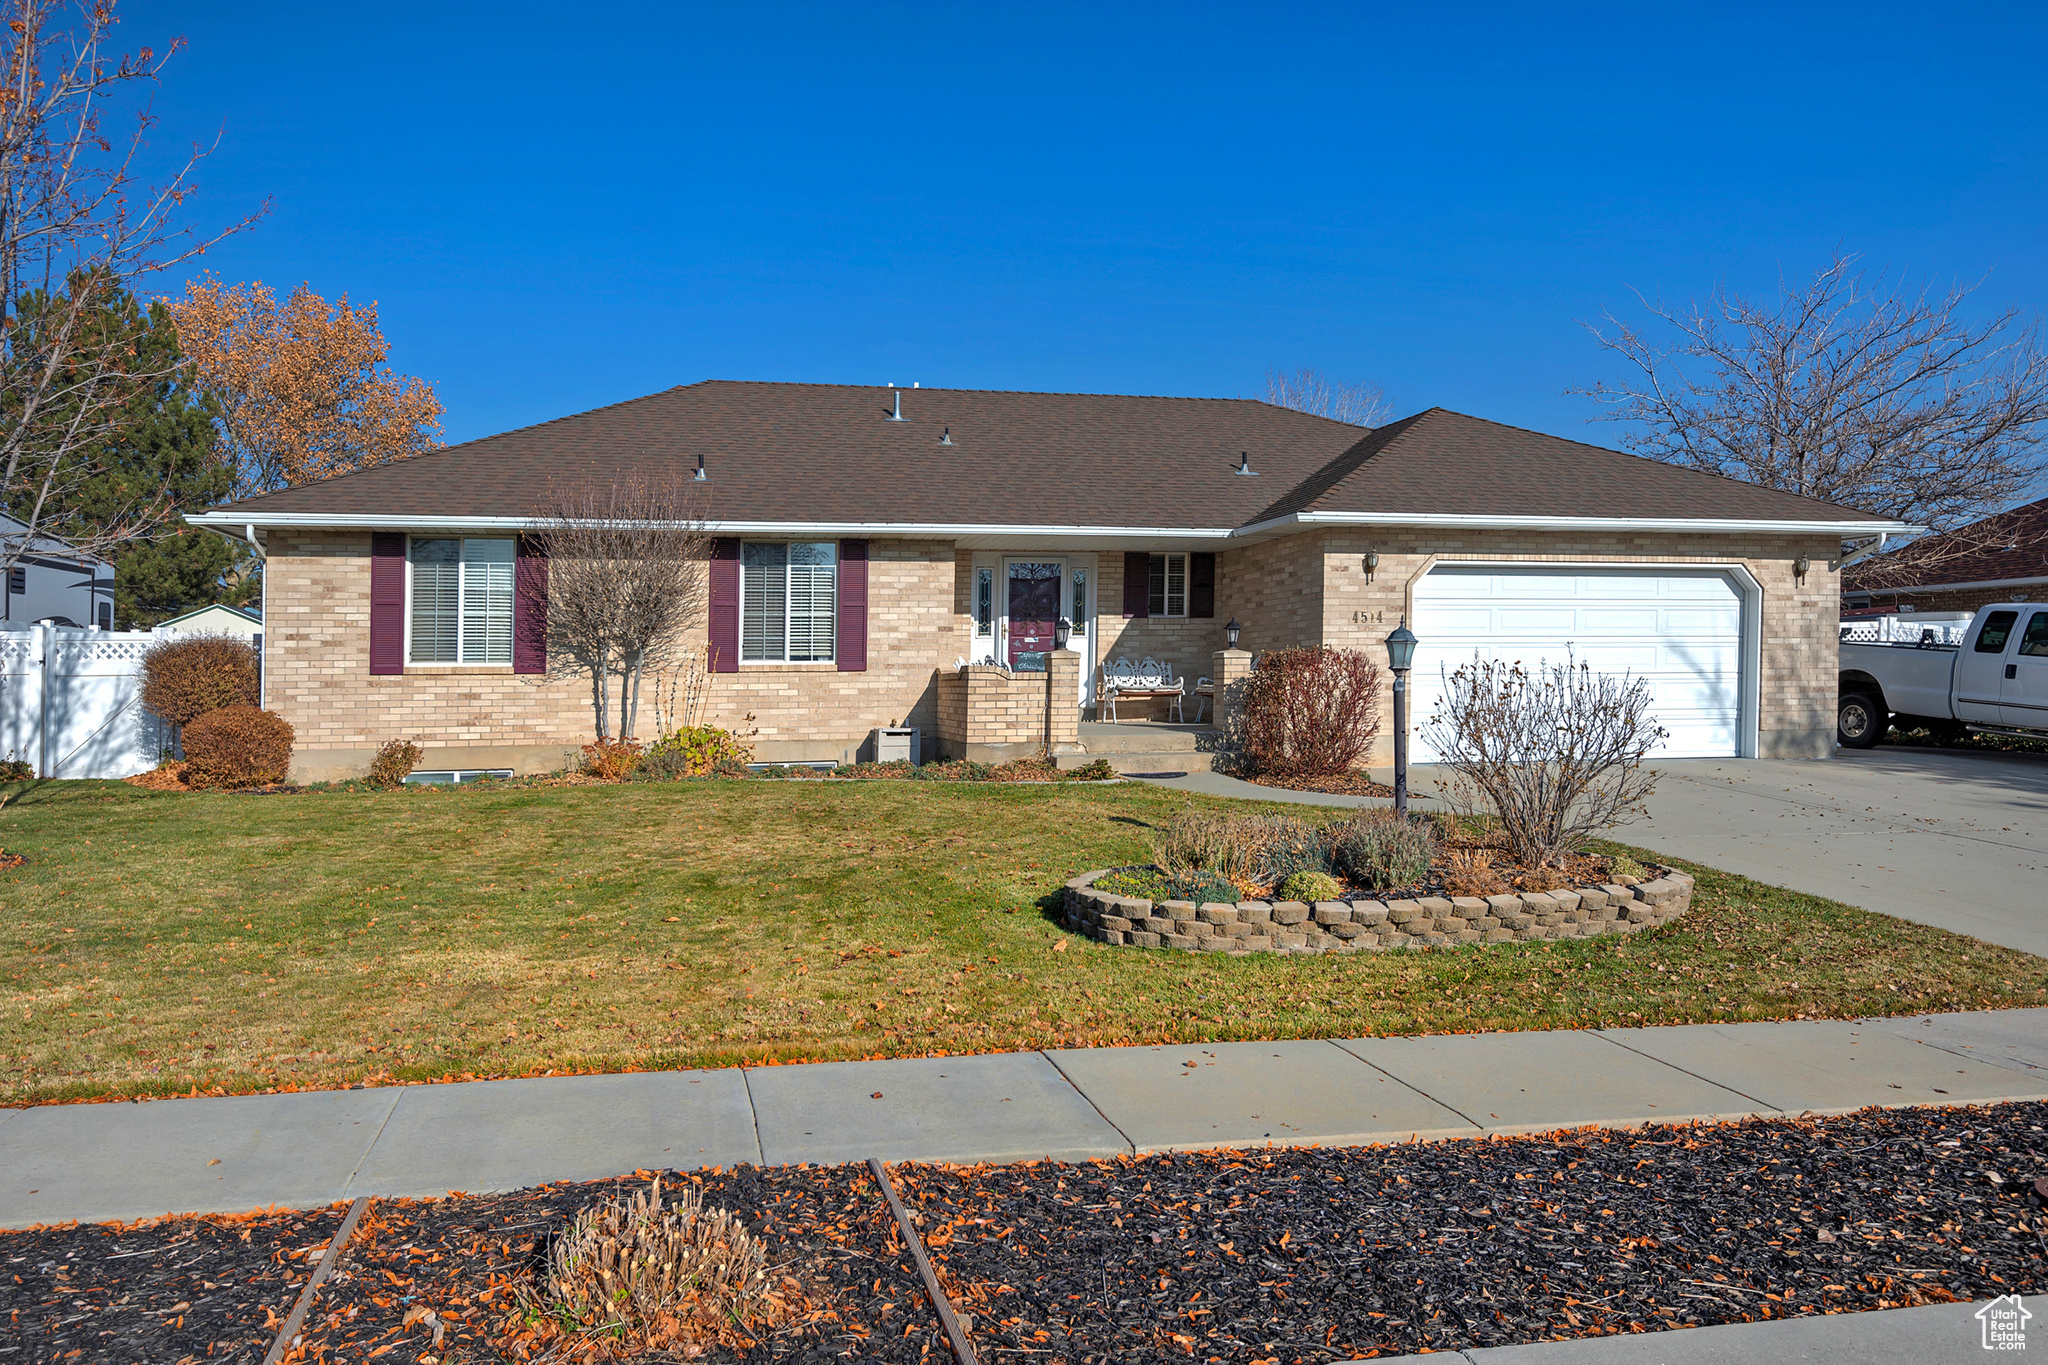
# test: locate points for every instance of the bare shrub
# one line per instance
(1470, 872)
(632, 1275)
(395, 762)
(1309, 712)
(1555, 755)
(237, 746)
(625, 581)
(183, 679)
(1378, 850)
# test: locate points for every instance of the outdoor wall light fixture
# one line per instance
(1800, 566)
(1230, 634)
(1062, 631)
(1372, 564)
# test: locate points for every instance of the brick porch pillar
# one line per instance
(1066, 700)
(1228, 668)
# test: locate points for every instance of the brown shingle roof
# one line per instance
(826, 453)
(2012, 544)
(1444, 462)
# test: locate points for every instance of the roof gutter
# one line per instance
(1277, 525)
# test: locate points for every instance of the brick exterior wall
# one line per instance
(1921, 600)
(317, 674)
(1300, 589)
(990, 714)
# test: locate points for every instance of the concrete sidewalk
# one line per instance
(94, 1162)
(1942, 1334)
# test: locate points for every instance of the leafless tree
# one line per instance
(1556, 754)
(625, 582)
(1859, 391)
(1307, 390)
(78, 229)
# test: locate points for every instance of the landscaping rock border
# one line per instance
(1618, 907)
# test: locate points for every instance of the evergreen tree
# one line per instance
(164, 447)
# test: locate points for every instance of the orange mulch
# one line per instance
(169, 778)
(1338, 784)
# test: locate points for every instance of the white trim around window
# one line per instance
(458, 601)
(789, 602)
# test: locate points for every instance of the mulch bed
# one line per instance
(1337, 784)
(170, 1291)
(1284, 1256)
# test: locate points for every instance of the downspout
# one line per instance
(262, 636)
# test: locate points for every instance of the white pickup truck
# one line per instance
(1994, 682)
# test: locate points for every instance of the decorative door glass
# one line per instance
(1034, 610)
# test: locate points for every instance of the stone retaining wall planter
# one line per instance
(1618, 907)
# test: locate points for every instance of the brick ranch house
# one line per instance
(868, 541)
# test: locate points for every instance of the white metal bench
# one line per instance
(1149, 680)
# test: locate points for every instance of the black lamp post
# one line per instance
(1062, 631)
(1400, 657)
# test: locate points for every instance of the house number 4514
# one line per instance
(1368, 618)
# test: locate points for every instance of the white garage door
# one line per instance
(1683, 632)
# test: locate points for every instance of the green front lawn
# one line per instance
(155, 943)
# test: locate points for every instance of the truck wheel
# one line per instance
(1860, 721)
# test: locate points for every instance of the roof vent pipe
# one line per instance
(897, 415)
(701, 476)
(947, 439)
(1244, 465)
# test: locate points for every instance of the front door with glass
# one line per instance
(1034, 609)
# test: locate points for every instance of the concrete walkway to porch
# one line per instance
(94, 1162)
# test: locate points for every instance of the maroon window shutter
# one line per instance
(1137, 583)
(530, 608)
(725, 605)
(387, 602)
(1202, 585)
(853, 606)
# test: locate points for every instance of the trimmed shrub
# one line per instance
(613, 760)
(1378, 851)
(394, 763)
(1309, 712)
(237, 746)
(1309, 886)
(184, 679)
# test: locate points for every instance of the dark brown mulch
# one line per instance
(168, 1292)
(1315, 1255)
(1337, 784)
(1296, 1256)
(459, 1257)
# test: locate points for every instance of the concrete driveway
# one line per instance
(1953, 838)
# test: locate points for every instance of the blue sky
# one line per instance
(561, 207)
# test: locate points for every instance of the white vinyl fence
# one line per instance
(71, 701)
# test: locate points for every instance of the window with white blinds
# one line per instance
(789, 596)
(461, 601)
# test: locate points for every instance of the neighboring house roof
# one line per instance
(826, 454)
(214, 608)
(2007, 547)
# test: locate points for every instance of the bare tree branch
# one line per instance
(77, 230)
(1863, 393)
(1307, 390)
(625, 582)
